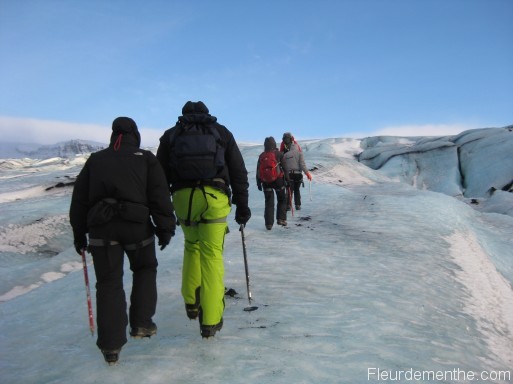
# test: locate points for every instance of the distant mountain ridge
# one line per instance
(69, 148)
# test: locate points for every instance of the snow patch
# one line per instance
(18, 291)
(490, 300)
(28, 193)
(348, 148)
(71, 267)
(46, 277)
(28, 238)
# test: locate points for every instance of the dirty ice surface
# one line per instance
(375, 272)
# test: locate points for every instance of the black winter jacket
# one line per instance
(234, 172)
(127, 174)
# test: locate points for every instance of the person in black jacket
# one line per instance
(277, 186)
(121, 199)
(204, 167)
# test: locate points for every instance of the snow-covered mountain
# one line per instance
(374, 279)
(35, 151)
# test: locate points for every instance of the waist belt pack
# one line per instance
(109, 208)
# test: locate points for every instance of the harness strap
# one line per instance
(204, 221)
(216, 182)
(128, 247)
(188, 222)
(269, 189)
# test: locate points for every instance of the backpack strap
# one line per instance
(179, 128)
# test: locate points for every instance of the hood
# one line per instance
(124, 130)
(269, 143)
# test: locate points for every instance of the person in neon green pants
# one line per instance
(203, 265)
(206, 173)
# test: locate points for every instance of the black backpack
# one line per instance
(196, 151)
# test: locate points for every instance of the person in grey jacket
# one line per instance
(295, 163)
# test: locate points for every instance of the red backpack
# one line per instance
(269, 168)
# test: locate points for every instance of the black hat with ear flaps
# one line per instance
(192, 107)
(125, 126)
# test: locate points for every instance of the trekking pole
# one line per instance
(310, 189)
(290, 201)
(88, 293)
(250, 308)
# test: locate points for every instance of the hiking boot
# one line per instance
(269, 227)
(298, 207)
(230, 292)
(282, 222)
(141, 332)
(210, 330)
(111, 356)
(192, 311)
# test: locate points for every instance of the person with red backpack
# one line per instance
(294, 161)
(272, 177)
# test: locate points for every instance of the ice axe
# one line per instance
(250, 307)
(88, 293)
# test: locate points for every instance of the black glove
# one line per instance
(80, 243)
(242, 214)
(164, 238)
(259, 186)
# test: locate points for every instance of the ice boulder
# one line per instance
(473, 164)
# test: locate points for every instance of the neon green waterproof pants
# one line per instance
(202, 213)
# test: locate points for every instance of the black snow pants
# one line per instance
(296, 181)
(111, 306)
(270, 189)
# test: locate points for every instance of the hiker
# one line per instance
(121, 199)
(203, 166)
(273, 177)
(295, 163)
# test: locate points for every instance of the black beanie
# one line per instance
(125, 126)
(192, 107)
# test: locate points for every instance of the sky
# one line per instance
(324, 68)
(371, 273)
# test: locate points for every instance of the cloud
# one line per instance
(26, 130)
(423, 130)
